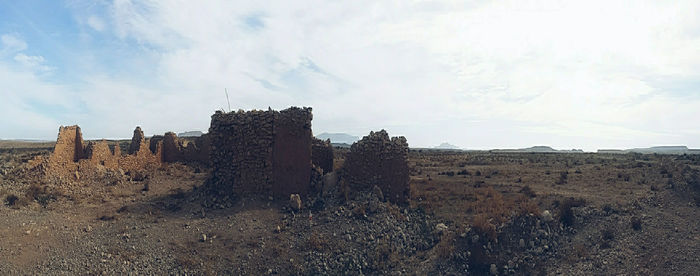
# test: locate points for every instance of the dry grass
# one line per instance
(483, 224)
(446, 247)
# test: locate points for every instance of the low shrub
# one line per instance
(11, 199)
(483, 225)
(528, 191)
(566, 214)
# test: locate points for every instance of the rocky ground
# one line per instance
(470, 213)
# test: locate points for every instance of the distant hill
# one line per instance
(195, 133)
(446, 146)
(538, 149)
(652, 150)
(339, 138)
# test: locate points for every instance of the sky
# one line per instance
(476, 74)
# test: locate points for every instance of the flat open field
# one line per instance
(470, 213)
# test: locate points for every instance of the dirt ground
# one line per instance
(470, 213)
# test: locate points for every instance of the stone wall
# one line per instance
(241, 151)
(381, 161)
(322, 154)
(261, 152)
(291, 153)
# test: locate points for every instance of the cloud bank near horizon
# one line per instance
(481, 74)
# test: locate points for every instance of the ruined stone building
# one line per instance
(71, 153)
(262, 152)
(381, 161)
(322, 154)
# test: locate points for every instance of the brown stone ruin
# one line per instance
(261, 152)
(176, 150)
(322, 154)
(139, 156)
(254, 152)
(72, 154)
(381, 161)
(67, 151)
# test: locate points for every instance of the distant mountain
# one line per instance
(195, 133)
(446, 146)
(539, 149)
(343, 138)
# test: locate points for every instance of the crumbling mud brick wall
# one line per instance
(322, 154)
(179, 150)
(99, 153)
(381, 161)
(68, 150)
(72, 154)
(136, 141)
(261, 152)
(140, 156)
(154, 141)
(172, 148)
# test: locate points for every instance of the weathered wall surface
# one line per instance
(291, 163)
(381, 161)
(154, 141)
(136, 141)
(198, 151)
(180, 150)
(68, 150)
(141, 158)
(322, 154)
(261, 152)
(172, 148)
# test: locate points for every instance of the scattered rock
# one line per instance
(440, 227)
(547, 216)
(493, 269)
(295, 202)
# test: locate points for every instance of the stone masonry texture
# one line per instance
(261, 152)
(381, 161)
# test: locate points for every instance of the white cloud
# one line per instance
(11, 44)
(32, 62)
(565, 73)
(96, 23)
(574, 67)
